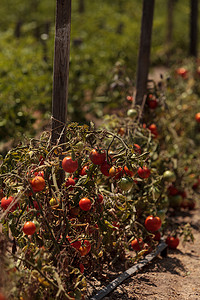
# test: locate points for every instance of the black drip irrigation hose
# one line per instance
(113, 284)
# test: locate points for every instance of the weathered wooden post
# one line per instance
(170, 17)
(61, 70)
(193, 27)
(144, 50)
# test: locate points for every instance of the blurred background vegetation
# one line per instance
(103, 60)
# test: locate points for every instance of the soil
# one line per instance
(176, 276)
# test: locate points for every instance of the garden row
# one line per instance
(120, 181)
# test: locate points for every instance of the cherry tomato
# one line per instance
(172, 242)
(153, 129)
(2, 297)
(125, 183)
(97, 157)
(197, 117)
(70, 182)
(152, 102)
(129, 172)
(153, 223)
(144, 172)
(172, 190)
(84, 170)
(81, 267)
(69, 165)
(100, 198)
(85, 204)
(29, 228)
(105, 167)
(169, 176)
(182, 72)
(137, 244)
(137, 148)
(37, 183)
(5, 202)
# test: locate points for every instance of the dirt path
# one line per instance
(175, 277)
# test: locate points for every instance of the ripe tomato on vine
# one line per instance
(37, 183)
(29, 228)
(85, 204)
(97, 157)
(69, 165)
(152, 223)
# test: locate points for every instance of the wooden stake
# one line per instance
(144, 50)
(61, 70)
(193, 27)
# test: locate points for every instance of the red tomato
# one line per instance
(70, 182)
(85, 248)
(129, 98)
(153, 129)
(37, 183)
(2, 297)
(182, 72)
(5, 202)
(76, 244)
(85, 204)
(172, 242)
(105, 167)
(152, 102)
(84, 170)
(129, 172)
(87, 245)
(137, 244)
(197, 117)
(195, 185)
(29, 228)
(81, 267)
(172, 190)
(153, 223)
(69, 165)
(138, 149)
(97, 157)
(100, 198)
(119, 173)
(112, 171)
(144, 172)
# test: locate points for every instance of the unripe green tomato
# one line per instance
(132, 113)
(79, 146)
(169, 176)
(175, 201)
(125, 183)
(161, 214)
(37, 225)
